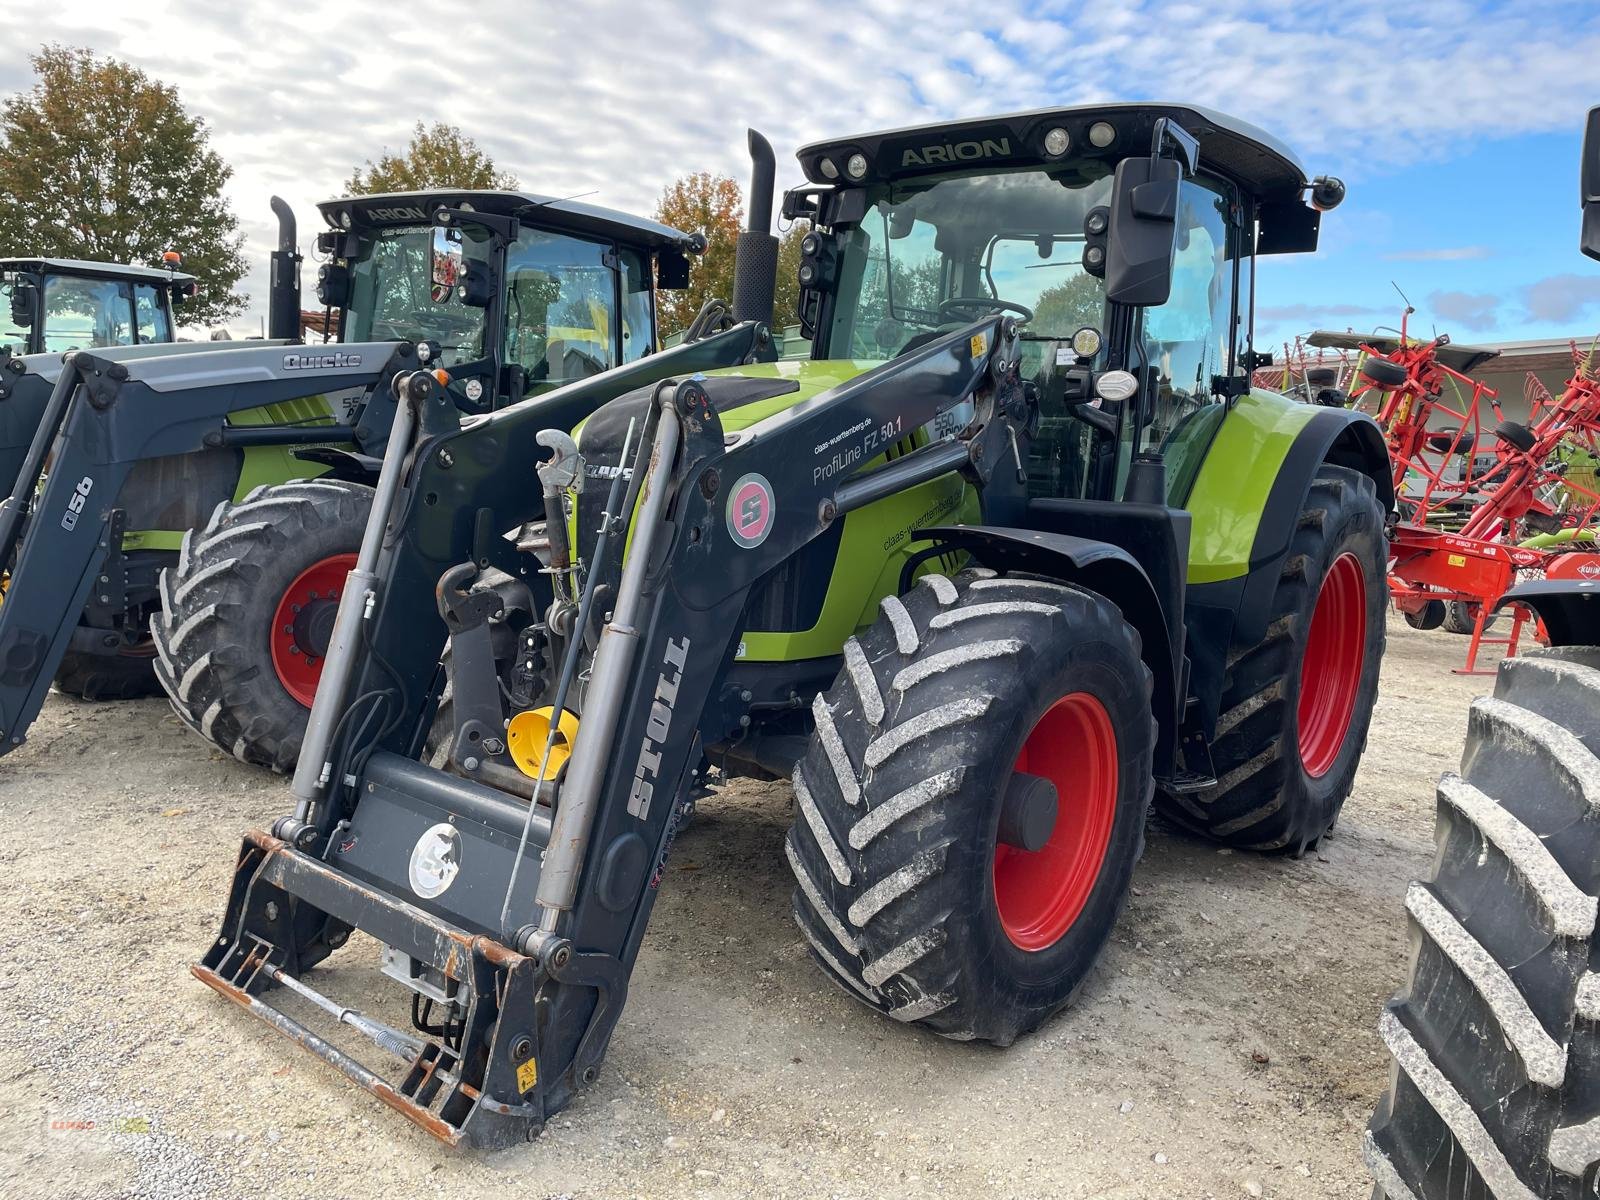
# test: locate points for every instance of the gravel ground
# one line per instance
(1225, 1047)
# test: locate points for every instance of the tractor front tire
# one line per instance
(125, 675)
(916, 898)
(1495, 1038)
(248, 610)
(1296, 706)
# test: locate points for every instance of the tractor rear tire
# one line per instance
(1461, 617)
(1296, 706)
(114, 676)
(228, 636)
(909, 899)
(1496, 1035)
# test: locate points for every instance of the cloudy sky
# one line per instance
(1455, 124)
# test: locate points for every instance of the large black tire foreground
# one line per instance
(960, 692)
(221, 614)
(111, 676)
(1496, 1036)
(1296, 706)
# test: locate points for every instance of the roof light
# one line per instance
(172, 258)
(344, 219)
(1102, 134)
(828, 168)
(856, 168)
(1056, 142)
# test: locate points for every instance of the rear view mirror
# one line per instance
(24, 304)
(448, 263)
(1591, 184)
(1141, 242)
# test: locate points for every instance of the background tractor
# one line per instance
(52, 305)
(1015, 550)
(1496, 1035)
(227, 543)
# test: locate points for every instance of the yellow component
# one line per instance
(979, 345)
(526, 735)
(1457, 560)
(527, 1073)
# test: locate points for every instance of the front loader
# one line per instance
(1015, 550)
(218, 579)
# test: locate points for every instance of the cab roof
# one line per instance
(413, 208)
(1253, 158)
(96, 270)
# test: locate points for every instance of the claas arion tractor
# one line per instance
(227, 485)
(1016, 549)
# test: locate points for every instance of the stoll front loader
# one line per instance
(236, 494)
(1495, 1085)
(1031, 348)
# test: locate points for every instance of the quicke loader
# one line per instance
(1495, 1087)
(1016, 549)
(226, 486)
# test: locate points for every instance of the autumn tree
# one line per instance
(439, 156)
(100, 161)
(711, 205)
(786, 305)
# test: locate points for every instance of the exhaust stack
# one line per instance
(283, 293)
(755, 269)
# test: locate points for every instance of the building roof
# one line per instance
(101, 270)
(413, 208)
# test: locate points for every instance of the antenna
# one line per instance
(564, 199)
(1396, 287)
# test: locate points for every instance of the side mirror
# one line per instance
(1141, 241)
(24, 305)
(1591, 184)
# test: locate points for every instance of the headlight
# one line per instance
(857, 166)
(1102, 134)
(828, 169)
(1056, 142)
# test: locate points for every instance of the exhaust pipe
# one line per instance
(283, 293)
(755, 267)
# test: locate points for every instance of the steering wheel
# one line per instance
(987, 304)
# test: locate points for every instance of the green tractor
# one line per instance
(227, 556)
(1016, 549)
(53, 305)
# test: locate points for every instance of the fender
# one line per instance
(1569, 608)
(1113, 573)
(1220, 612)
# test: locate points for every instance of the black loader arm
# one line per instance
(101, 417)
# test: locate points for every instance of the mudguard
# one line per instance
(1569, 608)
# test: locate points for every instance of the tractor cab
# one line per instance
(921, 231)
(522, 293)
(52, 305)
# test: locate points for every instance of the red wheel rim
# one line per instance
(303, 622)
(1330, 672)
(1039, 894)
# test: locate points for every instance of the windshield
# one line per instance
(928, 255)
(86, 314)
(561, 310)
(395, 296)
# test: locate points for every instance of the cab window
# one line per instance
(1190, 338)
(560, 309)
(638, 327)
(86, 314)
(150, 314)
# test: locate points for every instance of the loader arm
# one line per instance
(103, 415)
(522, 956)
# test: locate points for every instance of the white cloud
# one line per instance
(622, 96)
(1442, 254)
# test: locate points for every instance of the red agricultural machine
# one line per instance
(1483, 502)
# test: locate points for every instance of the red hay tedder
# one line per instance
(1483, 501)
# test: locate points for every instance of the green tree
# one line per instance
(1068, 306)
(102, 162)
(439, 156)
(711, 205)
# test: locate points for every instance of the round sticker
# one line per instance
(474, 390)
(435, 860)
(750, 510)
